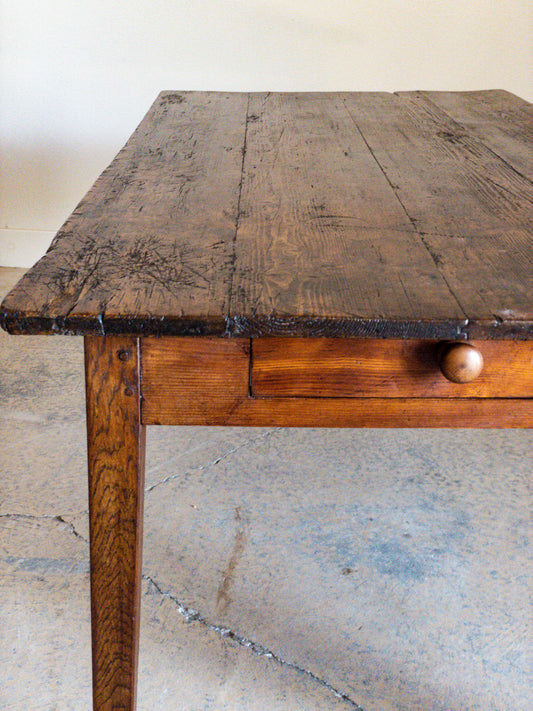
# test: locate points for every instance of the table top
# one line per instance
(406, 215)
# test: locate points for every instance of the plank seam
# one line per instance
(411, 219)
(446, 398)
(238, 216)
(473, 135)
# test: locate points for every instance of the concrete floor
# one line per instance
(283, 569)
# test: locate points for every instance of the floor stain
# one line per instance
(239, 544)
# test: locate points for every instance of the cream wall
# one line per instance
(77, 76)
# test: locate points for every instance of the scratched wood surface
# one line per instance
(403, 215)
(502, 121)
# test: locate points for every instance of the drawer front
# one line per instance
(344, 367)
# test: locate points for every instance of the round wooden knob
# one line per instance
(460, 362)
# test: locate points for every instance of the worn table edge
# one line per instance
(250, 325)
(17, 323)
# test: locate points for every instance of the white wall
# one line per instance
(77, 76)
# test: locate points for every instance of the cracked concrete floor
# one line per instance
(283, 569)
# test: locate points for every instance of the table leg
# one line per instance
(116, 445)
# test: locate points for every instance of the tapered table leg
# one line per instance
(116, 444)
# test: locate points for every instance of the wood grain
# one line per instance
(152, 241)
(502, 121)
(345, 367)
(301, 214)
(344, 412)
(322, 232)
(115, 440)
(480, 270)
(208, 375)
(446, 179)
(184, 385)
(471, 208)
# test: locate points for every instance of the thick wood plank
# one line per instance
(153, 238)
(503, 122)
(446, 179)
(339, 367)
(480, 271)
(115, 441)
(322, 233)
(184, 385)
(483, 270)
(473, 211)
(331, 214)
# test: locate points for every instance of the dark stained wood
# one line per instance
(332, 214)
(344, 367)
(446, 179)
(115, 440)
(480, 270)
(184, 385)
(322, 232)
(502, 121)
(152, 241)
(472, 210)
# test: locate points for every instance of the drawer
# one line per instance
(344, 367)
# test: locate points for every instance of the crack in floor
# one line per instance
(215, 461)
(46, 517)
(72, 528)
(191, 615)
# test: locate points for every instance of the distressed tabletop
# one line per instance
(327, 214)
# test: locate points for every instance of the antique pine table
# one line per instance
(325, 260)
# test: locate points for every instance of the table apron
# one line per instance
(216, 381)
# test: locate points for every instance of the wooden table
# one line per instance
(287, 259)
